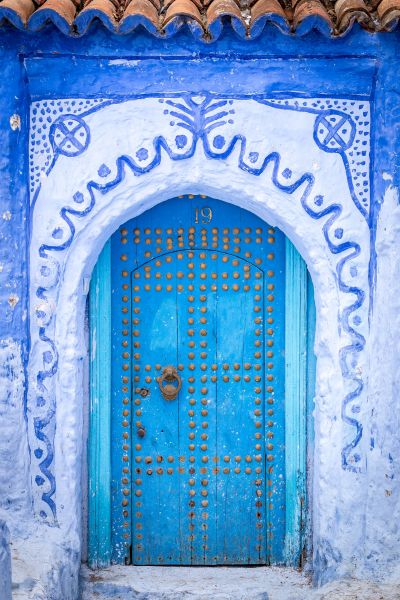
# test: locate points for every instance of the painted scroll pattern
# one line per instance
(214, 124)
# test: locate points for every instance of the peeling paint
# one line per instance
(354, 515)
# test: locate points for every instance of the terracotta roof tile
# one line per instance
(205, 18)
(388, 13)
(17, 11)
(103, 10)
(182, 9)
(61, 13)
(309, 13)
(349, 11)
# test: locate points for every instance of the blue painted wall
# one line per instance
(17, 51)
(15, 46)
(5, 562)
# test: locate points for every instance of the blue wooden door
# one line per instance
(198, 462)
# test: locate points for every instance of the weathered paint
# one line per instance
(99, 456)
(285, 535)
(206, 285)
(296, 353)
(364, 498)
(5, 562)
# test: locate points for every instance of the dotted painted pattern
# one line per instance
(43, 114)
(358, 155)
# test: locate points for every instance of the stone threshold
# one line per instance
(221, 583)
(193, 583)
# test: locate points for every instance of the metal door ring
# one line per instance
(170, 377)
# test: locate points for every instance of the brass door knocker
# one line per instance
(170, 377)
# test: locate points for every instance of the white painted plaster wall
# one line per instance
(15, 496)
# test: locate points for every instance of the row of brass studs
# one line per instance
(148, 460)
(181, 275)
(270, 402)
(213, 367)
(192, 229)
(188, 255)
(180, 256)
(190, 471)
(192, 233)
(127, 424)
(191, 435)
(225, 470)
(125, 476)
(180, 288)
(258, 308)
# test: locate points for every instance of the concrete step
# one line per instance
(193, 583)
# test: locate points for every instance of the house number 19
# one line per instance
(204, 214)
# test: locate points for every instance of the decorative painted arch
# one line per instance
(290, 162)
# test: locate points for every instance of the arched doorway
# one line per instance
(198, 390)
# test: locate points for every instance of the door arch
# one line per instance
(195, 283)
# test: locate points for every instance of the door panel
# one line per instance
(205, 481)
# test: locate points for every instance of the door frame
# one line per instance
(299, 395)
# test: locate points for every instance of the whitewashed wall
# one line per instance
(291, 164)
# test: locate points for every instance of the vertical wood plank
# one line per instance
(99, 538)
(311, 362)
(296, 401)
